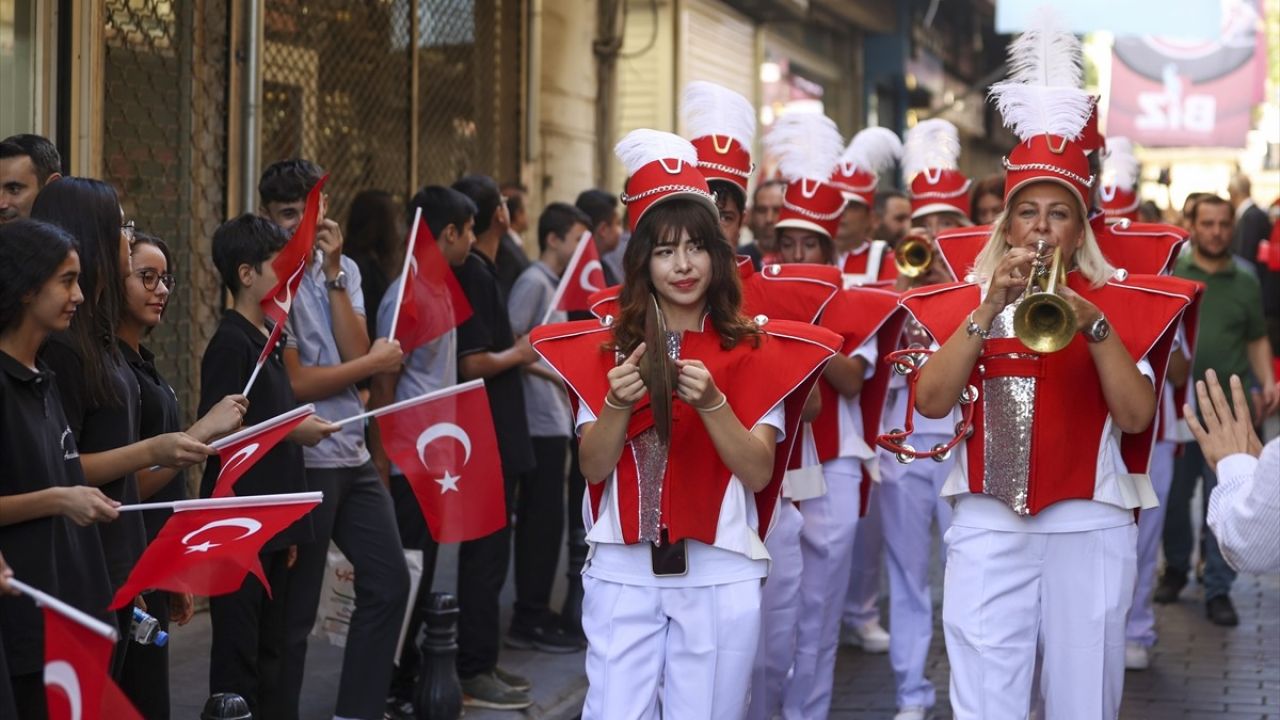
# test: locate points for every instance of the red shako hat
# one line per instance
(1118, 192)
(662, 167)
(1091, 139)
(930, 160)
(807, 146)
(1044, 106)
(722, 125)
(872, 151)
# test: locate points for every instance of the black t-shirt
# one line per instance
(38, 451)
(158, 415)
(508, 264)
(99, 427)
(373, 283)
(489, 330)
(227, 364)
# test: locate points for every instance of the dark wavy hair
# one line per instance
(89, 210)
(664, 224)
(30, 253)
(373, 230)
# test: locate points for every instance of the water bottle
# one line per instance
(145, 630)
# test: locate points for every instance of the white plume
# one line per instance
(874, 149)
(933, 144)
(1043, 93)
(641, 147)
(711, 109)
(1121, 166)
(806, 145)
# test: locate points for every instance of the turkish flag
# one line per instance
(291, 261)
(581, 279)
(445, 445)
(238, 452)
(432, 302)
(76, 681)
(208, 550)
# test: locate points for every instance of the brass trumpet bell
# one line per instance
(1044, 321)
(913, 256)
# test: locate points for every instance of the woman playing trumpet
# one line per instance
(1042, 542)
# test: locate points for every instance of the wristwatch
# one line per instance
(1098, 330)
(338, 283)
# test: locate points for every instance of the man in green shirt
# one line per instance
(1232, 340)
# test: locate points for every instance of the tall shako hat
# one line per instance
(807, 146)
(662, 167)
(930, 163)
(722, 125)
(1044, 106)
(1118, 192)
(871, 152)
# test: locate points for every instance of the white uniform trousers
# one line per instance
(694, 645)
(826, 543)
(1005, 591)
(910, 503)
(1141, 629)
(779, 613)
(862, 602)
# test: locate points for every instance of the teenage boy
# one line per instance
(248, 632)
(606, 231)
(450, 216)
(488, 349)
(327, 351)
(540, 501)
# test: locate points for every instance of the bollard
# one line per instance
(439, 694)
(226, 706)
(571, 612)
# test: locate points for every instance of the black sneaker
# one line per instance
(1221, 611)
(548, 638)
(512, 680)
(1170, 587)
(399, 709)
(487, 691)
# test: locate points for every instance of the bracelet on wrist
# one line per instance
(975, 330)
(724, 400)
(615, 406)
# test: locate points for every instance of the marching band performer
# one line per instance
(807, 146)
(679, 401)
(1043, 540)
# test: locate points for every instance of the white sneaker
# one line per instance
(915, 712)
(1136, 657)
(870, 637)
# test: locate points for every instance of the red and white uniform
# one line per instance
(840, 439)
(869, 264)
(1042, 543)
(694, 635)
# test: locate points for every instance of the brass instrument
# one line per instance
(913, 256)
(1044, 321)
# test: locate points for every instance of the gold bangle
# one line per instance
(724, 400)
(616, 407)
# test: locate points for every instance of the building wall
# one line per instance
(564, 161)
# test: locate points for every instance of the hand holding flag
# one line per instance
(238, 452)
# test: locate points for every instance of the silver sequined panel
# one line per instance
(1009, 404)
(651, 466)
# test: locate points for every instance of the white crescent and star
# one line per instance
(448, 483)
(61, 674)
(241, 456)
(249, 525)
(584, 278)
(288, 290)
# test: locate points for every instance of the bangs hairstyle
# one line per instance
(90, 211)
(288, 181)
(245, 240)
(1088, 258)
(30, 253)
(664, 224)
(724, 191)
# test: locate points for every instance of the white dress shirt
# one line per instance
(1244, 510)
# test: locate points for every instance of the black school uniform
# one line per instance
(146, 669)
(38, 451)
(248, 627)
(99, 426)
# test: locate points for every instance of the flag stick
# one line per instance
(237, 436)
(46, 600)
(434, 395)
(227, 502)
(569, 271)
(404, 273)
(257, 368)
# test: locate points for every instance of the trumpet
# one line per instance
(913, 256)
(1044, 322)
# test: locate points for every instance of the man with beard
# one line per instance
(1233, 341)
(27, 164)
(892, 216)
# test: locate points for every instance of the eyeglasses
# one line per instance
(150, 278)
(129, 229)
